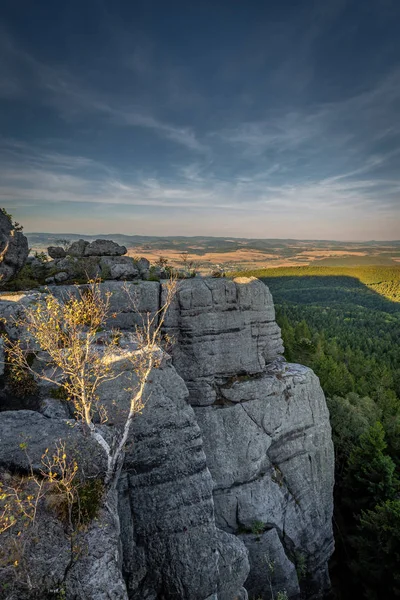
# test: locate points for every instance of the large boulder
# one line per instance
(104, 248)
(13, 249)
(77, 248)
(56, 252)
(25, 435)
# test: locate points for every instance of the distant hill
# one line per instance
(240, 253)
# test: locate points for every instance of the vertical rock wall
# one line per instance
(265, 427)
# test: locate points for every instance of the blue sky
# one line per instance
(248, 119)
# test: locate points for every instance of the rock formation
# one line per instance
(231, 469)
(100, 258)
(13, 248)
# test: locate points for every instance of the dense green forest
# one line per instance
(335, 321)
(381, 279)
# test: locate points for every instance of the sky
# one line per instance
(265, 119)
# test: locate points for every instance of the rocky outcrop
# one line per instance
(165, 542)
(85, 260)
(270, 454)
(265, 427)
(227, 488)
(13, 249)
(221, 329)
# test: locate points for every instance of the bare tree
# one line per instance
(64, 243)
(66, 331)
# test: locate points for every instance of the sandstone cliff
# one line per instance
(231, 469)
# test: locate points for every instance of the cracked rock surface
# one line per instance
(265, 428)
(228, 469)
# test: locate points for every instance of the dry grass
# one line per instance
(240, 259)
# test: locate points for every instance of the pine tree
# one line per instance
(378, 551)
(370, 477)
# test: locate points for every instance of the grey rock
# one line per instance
(56, 252)
(60, 277)
(171, 532)
(104, 248)
(259, 425)
(271, 568)
(131, 302)
(25, 435)
(143, 265)
(222, 329)
(77, 248)
(170, 491)
(13, 249)
(271, 457)
(233, 565)
(46, 554)
(50, 280)
(97, 575)
(54, 409)
(12, 308)
(66, 264)
(119, 267)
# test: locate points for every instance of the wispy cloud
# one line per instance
(251, 132)
(55, 177)
(71, 98)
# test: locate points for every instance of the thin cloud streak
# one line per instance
(55, 181)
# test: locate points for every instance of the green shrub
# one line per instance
(88, 502)
(257, 527)
(22, 383)
(25, 280)
(105, 272)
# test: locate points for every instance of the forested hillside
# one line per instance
(341, 323)
(383, 280)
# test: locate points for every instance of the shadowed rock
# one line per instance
(56, 252)
(13, 249)
(104, 248)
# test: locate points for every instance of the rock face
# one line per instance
(270, 454)
(265, 427)
(13, 249)
(122, 267)
(166, 505)
(221, 329)
(83, 248)
(226, 490)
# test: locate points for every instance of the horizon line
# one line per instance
(213, 237)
